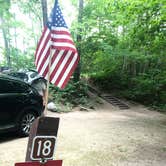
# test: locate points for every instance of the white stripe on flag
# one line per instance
(58, 57)
(60, 44)
(42, 44)
(47, 47)
(46, 63)
(60, 29)
(55, 36)
(61, 67)
(68, 70)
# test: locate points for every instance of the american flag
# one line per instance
(56, 56)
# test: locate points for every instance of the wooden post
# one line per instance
(43, 126)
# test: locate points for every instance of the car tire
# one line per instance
(25, 123)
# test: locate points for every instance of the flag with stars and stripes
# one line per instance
(56, 56)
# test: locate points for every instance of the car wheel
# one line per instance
(25, 123)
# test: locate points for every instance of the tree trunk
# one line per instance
(44, 11)
(5, 31)
(79, 38)
(7, 49)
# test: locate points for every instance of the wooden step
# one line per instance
(115, 101)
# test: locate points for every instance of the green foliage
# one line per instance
(147, 86)
(16, 54)
(123, 48)
(4, 6)
(21, 60)
(75, 94)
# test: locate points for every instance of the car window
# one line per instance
(7, 86)
(21, 76)
(33, 75)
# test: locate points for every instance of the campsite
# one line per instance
(82, 83)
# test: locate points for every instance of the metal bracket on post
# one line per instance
(43, 161)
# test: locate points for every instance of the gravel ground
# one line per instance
(106, 136)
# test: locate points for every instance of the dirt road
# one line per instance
(104, 137)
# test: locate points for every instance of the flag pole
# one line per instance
(46, 94)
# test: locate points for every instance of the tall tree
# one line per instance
(79, 39)
(4, 19)
(44, 11)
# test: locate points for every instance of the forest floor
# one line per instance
(106, 136)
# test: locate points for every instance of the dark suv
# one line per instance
(20, 104)
(29, 76)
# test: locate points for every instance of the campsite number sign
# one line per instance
(43, 147)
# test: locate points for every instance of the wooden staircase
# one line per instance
(109, 98)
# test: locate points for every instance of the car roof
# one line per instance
(11, 78)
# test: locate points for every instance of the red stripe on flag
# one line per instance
(41, 38)
(43, 48)
(46, 72)
(46, 56)
(60, 32)
(64, 48)
(62, 40)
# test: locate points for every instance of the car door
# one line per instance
(11, 97)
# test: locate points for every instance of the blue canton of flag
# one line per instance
(56, 18)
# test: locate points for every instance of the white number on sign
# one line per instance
(47, 148)
(43, 147)
(39, 148)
